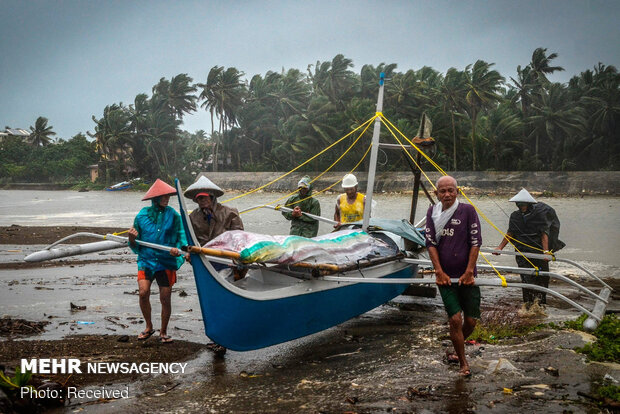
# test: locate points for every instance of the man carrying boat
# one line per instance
(211, 218)
(535, 228)
(453, 241)
(302, 225)
(159, 224)
(349, 206)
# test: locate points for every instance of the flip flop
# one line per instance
(165, 339)
(452, 358)
(144, 335)
(465, 373)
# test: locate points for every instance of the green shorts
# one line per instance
(461, 298)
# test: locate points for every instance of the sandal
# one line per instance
(144, 335)
(452, 358)
(165, 339)
(465, 373)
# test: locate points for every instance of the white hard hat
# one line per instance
(202, 184)
(349, 181)
(523, 197)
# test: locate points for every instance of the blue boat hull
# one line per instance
(243, 323)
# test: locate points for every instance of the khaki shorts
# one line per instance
(461, 298)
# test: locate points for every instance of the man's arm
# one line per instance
(504, 242)
(235, 222)
(441, 278)
(287, 214)
(337, 211)
(467, 278)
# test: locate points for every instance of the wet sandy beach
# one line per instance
(387, 360)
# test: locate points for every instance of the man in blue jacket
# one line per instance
(158, 224)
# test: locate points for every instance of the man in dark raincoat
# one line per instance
(534, 228)
(302, 225)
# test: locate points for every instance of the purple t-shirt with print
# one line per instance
(461, 233)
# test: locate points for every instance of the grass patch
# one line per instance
(502, 322)
(607, 345)
(610, 391)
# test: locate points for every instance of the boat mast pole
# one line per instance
(373, 156)
(417, 175)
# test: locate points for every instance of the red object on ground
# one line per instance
(159, 188)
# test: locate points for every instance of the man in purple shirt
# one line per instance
(453, 241)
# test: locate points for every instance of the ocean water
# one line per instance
(589, 225)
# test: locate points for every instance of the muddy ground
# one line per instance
(388, 360)
(27, 235)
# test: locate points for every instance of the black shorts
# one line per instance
(165, 278)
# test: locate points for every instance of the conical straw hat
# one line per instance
(523, 197)
(159, 188)
(202, 184)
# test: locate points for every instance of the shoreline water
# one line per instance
(563, 183)
(387, 359)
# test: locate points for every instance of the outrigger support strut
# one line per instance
(496, 283)
(546, 256)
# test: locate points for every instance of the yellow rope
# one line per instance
(438, 168)
(318, 176)
(409, 155)
(503, 279)
(318, 192)
(300, 165)
(334, 163)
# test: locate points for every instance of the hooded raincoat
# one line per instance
(304, 226)
(160, 226)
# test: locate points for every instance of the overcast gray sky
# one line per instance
(67, 60)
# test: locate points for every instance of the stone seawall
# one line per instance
(569, 183)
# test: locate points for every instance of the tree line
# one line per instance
(273, 122)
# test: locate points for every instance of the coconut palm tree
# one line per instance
(222, 96)
(41, 133)
(554, 118)
(540, 65)
(482, 86)
(452, 97)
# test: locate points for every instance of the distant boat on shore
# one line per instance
(124, 185)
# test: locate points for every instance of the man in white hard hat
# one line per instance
(349, 206)
(533, 228)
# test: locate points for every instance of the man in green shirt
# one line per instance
(302, 225)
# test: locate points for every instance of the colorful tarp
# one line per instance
(341, 247)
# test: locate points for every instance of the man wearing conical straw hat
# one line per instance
(159, 224)
(534, 228)
(211, 218)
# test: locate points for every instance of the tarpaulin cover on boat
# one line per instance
(345, 246)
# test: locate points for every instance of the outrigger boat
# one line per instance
(275, 303)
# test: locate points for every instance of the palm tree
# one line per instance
(452, 95)
(540, 65)
(482, 86)
(554, 118)
(222, 95)
(40, 134)
(369, 79)
(176, 95)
